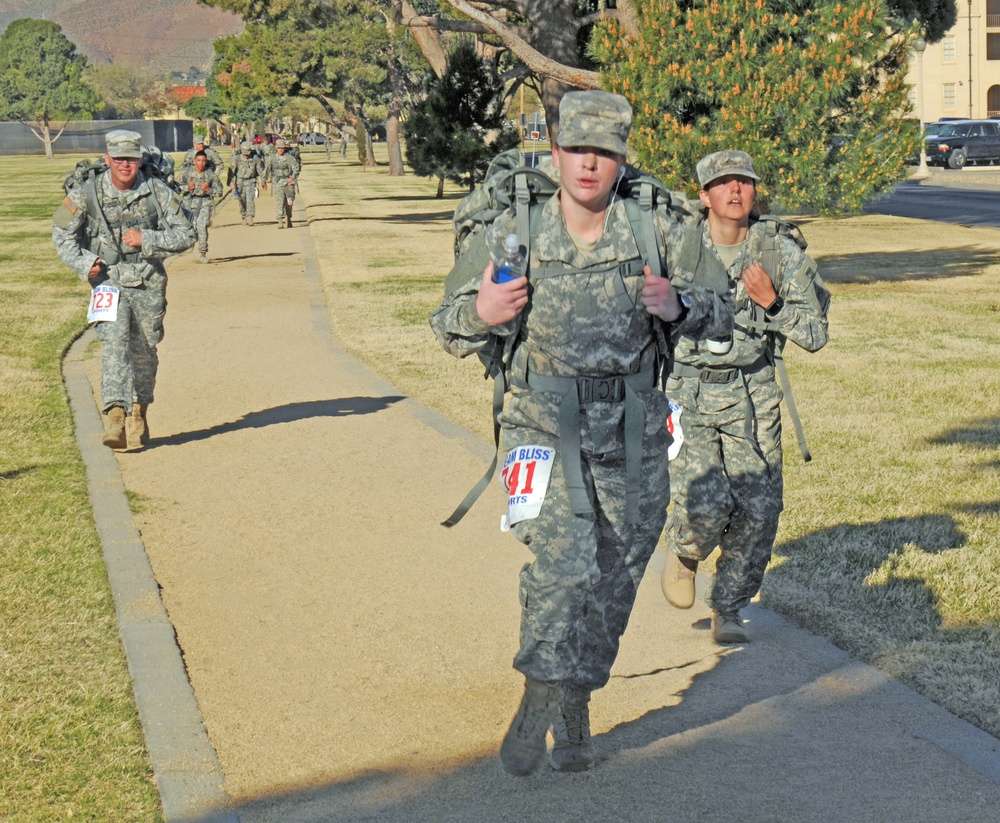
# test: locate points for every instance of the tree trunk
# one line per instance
(392, 120)
(440, 191)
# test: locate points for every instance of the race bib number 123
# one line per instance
(103, 304)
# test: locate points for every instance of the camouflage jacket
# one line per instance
(215, 161)
(577, 320)
(80, 239)
(191, 175)
(282, 168)
(802, 319)
(247, 168)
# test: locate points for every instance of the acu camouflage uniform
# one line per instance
(726, 480)
(585, 335)
(129, 360)
(201, 203)
(215, 161)
(283, 170)
(247, 169)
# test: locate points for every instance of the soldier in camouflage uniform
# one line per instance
(726, 478)
(215, 161)
(247, 168)
(201, 187)
(283, 171)
(138, 222)
(588, 346)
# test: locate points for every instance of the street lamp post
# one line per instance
(919, 46)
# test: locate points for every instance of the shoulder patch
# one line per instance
(69, 205)
(65, 213)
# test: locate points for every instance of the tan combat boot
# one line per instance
(136, 428)
(114, 428)
(572, 751)
(677, 581)
(727, 627)
(523, 747)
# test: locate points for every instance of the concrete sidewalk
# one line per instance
(350, 658)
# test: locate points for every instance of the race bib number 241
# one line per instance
(525, 476)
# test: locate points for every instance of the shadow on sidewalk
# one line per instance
(340, 407)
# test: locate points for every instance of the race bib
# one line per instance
(675, 430)
(525, 476)
(103, 304)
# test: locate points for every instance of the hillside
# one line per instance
(167, 35)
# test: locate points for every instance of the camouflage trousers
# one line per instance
(284, 196)
(202, 209)
(247, 190)
(726, 482)
(577, 595)
(128, 345)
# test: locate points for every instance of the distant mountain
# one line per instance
(166, 35)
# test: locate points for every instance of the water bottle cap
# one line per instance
(512, 244)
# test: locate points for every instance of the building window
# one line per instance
(993, 46)
(948, 49)
(949, 96)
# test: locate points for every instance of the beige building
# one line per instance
(959, 76)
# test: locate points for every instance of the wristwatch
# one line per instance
(775, 307)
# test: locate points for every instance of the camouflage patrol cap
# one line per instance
(122, 143)
(594, 118)
(246, 146)
(199, 140)
(720, 163)
(281, 143)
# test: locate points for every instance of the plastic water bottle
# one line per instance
(511, 264)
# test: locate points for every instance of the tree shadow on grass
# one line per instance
(416, 198)
(899, 267)
(341, 407)
(983, 434)
(431, 217)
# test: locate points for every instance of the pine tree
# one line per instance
(814, 91)
(460, 125)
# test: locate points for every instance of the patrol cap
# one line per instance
(246, 146)
(199, 140)
(123, 143)
(594, 118)
(280, 144)
(720, 163)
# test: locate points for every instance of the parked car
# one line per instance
(313, 139)
(260, 137)
(958, 142)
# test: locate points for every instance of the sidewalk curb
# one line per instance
(185, 765)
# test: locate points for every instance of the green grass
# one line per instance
(70, 741)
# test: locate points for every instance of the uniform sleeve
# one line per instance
(216, 188)
(456, 323)
(803, 317)
(693, 271)
(67, 233)
(177, 235)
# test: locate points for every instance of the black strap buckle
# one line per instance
(600, 389)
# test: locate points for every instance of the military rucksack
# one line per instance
(155, 163)
(509, 184)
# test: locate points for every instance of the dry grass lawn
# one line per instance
(889, 543)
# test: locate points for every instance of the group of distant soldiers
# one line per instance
(251, 167)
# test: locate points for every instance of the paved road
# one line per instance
(972, 200)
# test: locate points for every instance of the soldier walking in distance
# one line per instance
(203, 144)
(116, 230)
(201, 187)
(584, 427)
(283, 170)
(726, 477)
(247, 169)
